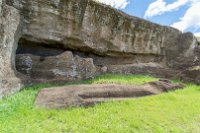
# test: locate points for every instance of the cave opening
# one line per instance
(37, 61)
(38, 48)
(51, 62)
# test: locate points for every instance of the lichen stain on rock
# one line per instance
(59, 72)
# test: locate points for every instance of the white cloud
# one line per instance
(191, 19)
(160, 6)
(197, 34)
(120, 4)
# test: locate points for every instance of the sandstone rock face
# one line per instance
(60, 68)
(9, 35)
(191, 74)
(182, 54)
(90, 27)
(87, 26)
(101, 39)
(198, 38)
(87, 95)
(151, 69)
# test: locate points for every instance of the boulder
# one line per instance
(191, 75)
(87, 95)
(55, 69)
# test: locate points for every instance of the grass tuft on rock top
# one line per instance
(176, 112)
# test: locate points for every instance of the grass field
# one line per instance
(176, 112)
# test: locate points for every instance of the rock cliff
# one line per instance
(64, 40)
(10, 24)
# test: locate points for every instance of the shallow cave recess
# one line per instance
(41, 62)
(27, 49)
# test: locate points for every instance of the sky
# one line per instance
(180, 14)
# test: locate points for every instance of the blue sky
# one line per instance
(181, 14)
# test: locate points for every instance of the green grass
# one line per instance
(176, 112)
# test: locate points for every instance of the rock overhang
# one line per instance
(91, 30)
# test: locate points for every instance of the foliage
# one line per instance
(177, 111)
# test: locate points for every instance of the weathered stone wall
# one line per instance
(100, 38)
(87, 26)
(198, 38)
(90, 27)
(9, 35)
(55, 69)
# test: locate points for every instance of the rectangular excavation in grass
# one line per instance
(87, 95)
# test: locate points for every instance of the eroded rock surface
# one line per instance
(87, 26)
(191, 75)
(61, 68)
(86, 95)
(9, 35)
(45, 29)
